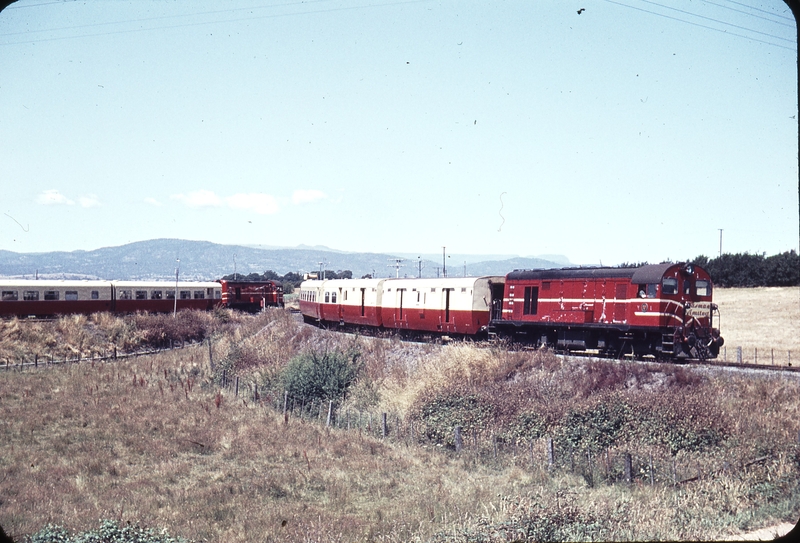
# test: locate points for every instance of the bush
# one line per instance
(441, 411)
(321, 375)
(109, 532)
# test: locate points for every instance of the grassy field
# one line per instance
(765, 318)
(157, 441)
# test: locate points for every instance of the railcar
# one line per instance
(28, 297)
(160, 296)
(452, 306)
(665, 310)
(47, 298)
(251, 296)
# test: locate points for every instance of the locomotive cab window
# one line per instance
(669, 285)
(647, 290)
(10, 296)
(687, 287)
(702, 288)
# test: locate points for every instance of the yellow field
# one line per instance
(763, 318)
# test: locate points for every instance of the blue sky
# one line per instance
(632, 131)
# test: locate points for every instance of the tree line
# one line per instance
(288, 281)
(752, 270)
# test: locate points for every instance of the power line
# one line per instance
(190, 24)
(761, 10)
(750, 14)
(706, 26)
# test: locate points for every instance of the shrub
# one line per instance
(108, 532)
(441, 411)
(321, 375)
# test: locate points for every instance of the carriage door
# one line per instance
(363, 297)
(400, 293)
(446, 292)
(619, 302)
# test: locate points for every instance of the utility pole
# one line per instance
(419, 261)
(177, 269)
(720, 242)
(444, 263)
(397, 264)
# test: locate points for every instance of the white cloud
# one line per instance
(53, 197)
(305, 196)
(199, 198)
(153, 202)
(90, 200)
(261, 203)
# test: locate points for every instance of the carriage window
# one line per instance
(170, 295)
(333, 297)
(327, 297)
(71, 295)
(124, 294)
(51, 295)
(186, 295)
(156, 295)
(218, 294)
(10, 296)
(199, 295)
(669, 285)
(141, 294)
(703, 288)
(30, 295)
(95, 295)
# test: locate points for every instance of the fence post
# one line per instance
(628, 468)
(330, 413)
(551, 455)
(210, 356)
(237, 387)
(739, 355)
(285, 405)
(755, 355)
(457, 438)
(651, 469)
(384, 426)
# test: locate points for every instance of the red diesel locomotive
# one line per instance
(662, 310)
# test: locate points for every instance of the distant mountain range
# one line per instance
(201, 260)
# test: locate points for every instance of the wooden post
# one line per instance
(384, 426)
(755, 355)
(457, 439)
(651, 469)
(773, 356)
(330, 413)
(255, 392)
(210, 356)
(494, 444)
(285, 405)
(530, 448)
(739, 355)
(551, 456)
(237, 387)
(36, 361)
(628, 468)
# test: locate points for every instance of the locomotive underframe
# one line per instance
(608, 340)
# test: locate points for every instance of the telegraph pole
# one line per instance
(720, 242)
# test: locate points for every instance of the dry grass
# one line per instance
(143, 440)
(763, 318)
